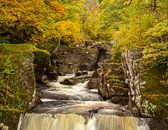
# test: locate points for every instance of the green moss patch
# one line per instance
(41, 58)
(17, 79)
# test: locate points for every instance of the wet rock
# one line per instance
(78, 79)
(158, 124)
(79, 73)
(68, 82)
(123, 100)
(51, 73)
(95, 80)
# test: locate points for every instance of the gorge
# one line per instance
(85, 98)
(83, 64)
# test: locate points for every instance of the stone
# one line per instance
(74, 59)
(67, 82)
(157, 124)
(123, 100)
(5, 128)
(147, 96)
(16, 62)
(41, 63)
(50, 73)
(109, 81)
(79, 73)
(77, 79)
(1, 125)
(131, 71)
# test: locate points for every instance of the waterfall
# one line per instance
(79, 122)
(75, 107)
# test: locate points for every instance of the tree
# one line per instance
(29, 21)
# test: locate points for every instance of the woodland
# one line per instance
(48, 24)
(128, 23)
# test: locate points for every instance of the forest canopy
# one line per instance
(128, 23)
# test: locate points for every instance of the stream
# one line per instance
(75, 107)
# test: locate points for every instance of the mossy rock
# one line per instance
(115, 78)
(41, 58)
(17, 82)
(17, 79)
(41, 62)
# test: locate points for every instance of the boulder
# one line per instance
(157, 124)
(17, 81)
(41, 62)
(123, 100)
(78, 79)
(109, 81)
(73, 59)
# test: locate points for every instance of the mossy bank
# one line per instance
(17, 79)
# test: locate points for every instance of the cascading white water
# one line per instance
(69, 92)
(79, 122)
(74, 107)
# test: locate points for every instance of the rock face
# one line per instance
(107, 78)
(147, 97)
(131, 70)
(74, 59)
(155, 124)
(17, 82)
(18, 64)
(89, 57)
(110, 82)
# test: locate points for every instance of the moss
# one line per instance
(41, 58)
(115, 77)
(17, 82)
(17, 79)
(117, 80)
(120, 89)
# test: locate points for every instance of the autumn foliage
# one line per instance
(35, 22)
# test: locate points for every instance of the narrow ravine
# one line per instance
(75, 107)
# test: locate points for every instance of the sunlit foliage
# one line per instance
(138, 24)
(36, 22)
